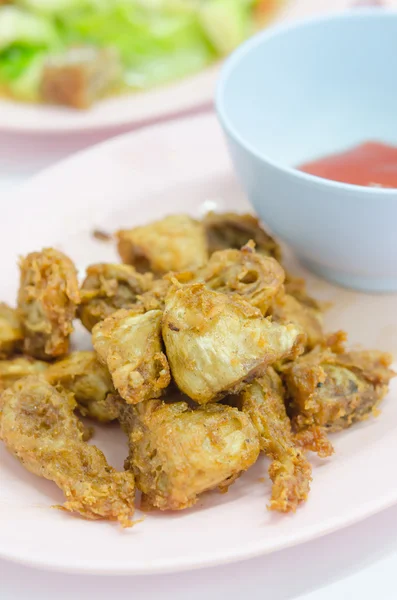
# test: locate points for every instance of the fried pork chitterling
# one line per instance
(82, 374)
(38, 426)
(11, 335)
(290, 471)
(175, 243)
(177, 453)
(47, 302)
(130, 345)
(216, 343)
(335, 390)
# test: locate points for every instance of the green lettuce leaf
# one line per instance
(155, 46)
(18, 26)
(157, 40)
(227, 23)
(21, 70)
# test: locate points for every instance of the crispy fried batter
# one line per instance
(215, 343)
(336, 341)
(290, 471)
(296, 287)
(11, 336)
(109, 287)
(287, 309)
(336, 390)
(175, 243)
(177, 453)
(231, 230)
(245, 273)
(314, 439)
(82, 374)
(154, 298)
(131, 347)
(18, 367)
(38, 426)
(47, 301)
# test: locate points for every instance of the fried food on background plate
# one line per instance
(177, 453)
(130, 345)
(231, 230)
(334, 390)
(176, 243)
(11, 336)
(216, 343)
(47, 301)
(39, 427)
(18, 367)
(80, 76)
(290, 471)
(82, 374)
(256, 278)
(287, 309)
(109, 287)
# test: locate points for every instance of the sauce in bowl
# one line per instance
(370, 164)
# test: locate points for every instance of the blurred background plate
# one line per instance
(193, 93)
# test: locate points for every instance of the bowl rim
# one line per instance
(263, 37)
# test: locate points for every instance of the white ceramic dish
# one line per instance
(191, 93)
(168, 169)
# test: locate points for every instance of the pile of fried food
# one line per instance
(205, 351)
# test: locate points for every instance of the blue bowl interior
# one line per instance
(317, 88)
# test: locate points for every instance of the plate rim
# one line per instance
(53, 122)
(212, 560)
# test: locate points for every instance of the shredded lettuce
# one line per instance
(20, 71)
(20, 26)
(227, 23)
(157, 40)
(154, 46)
(25, 41)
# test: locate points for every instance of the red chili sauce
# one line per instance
(371, 164)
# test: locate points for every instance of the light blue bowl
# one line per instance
(297, 92)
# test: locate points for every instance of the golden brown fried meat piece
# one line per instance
(216, 343)
(82, 374)
(256, 278)
(177, 453)
(38, 426)
(314, 439)
(296, 287)
(231, 230)
(336, 390)
(80, 76)
(109, 287)
(287, 309)
(18, 367)
(11, 336)
(290, 471)
(130, 346)
(175, 243)
(154, 298)
(47, 301)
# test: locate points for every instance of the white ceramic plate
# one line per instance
(130, 180)
(191, 93)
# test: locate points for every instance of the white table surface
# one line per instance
(359, 562)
